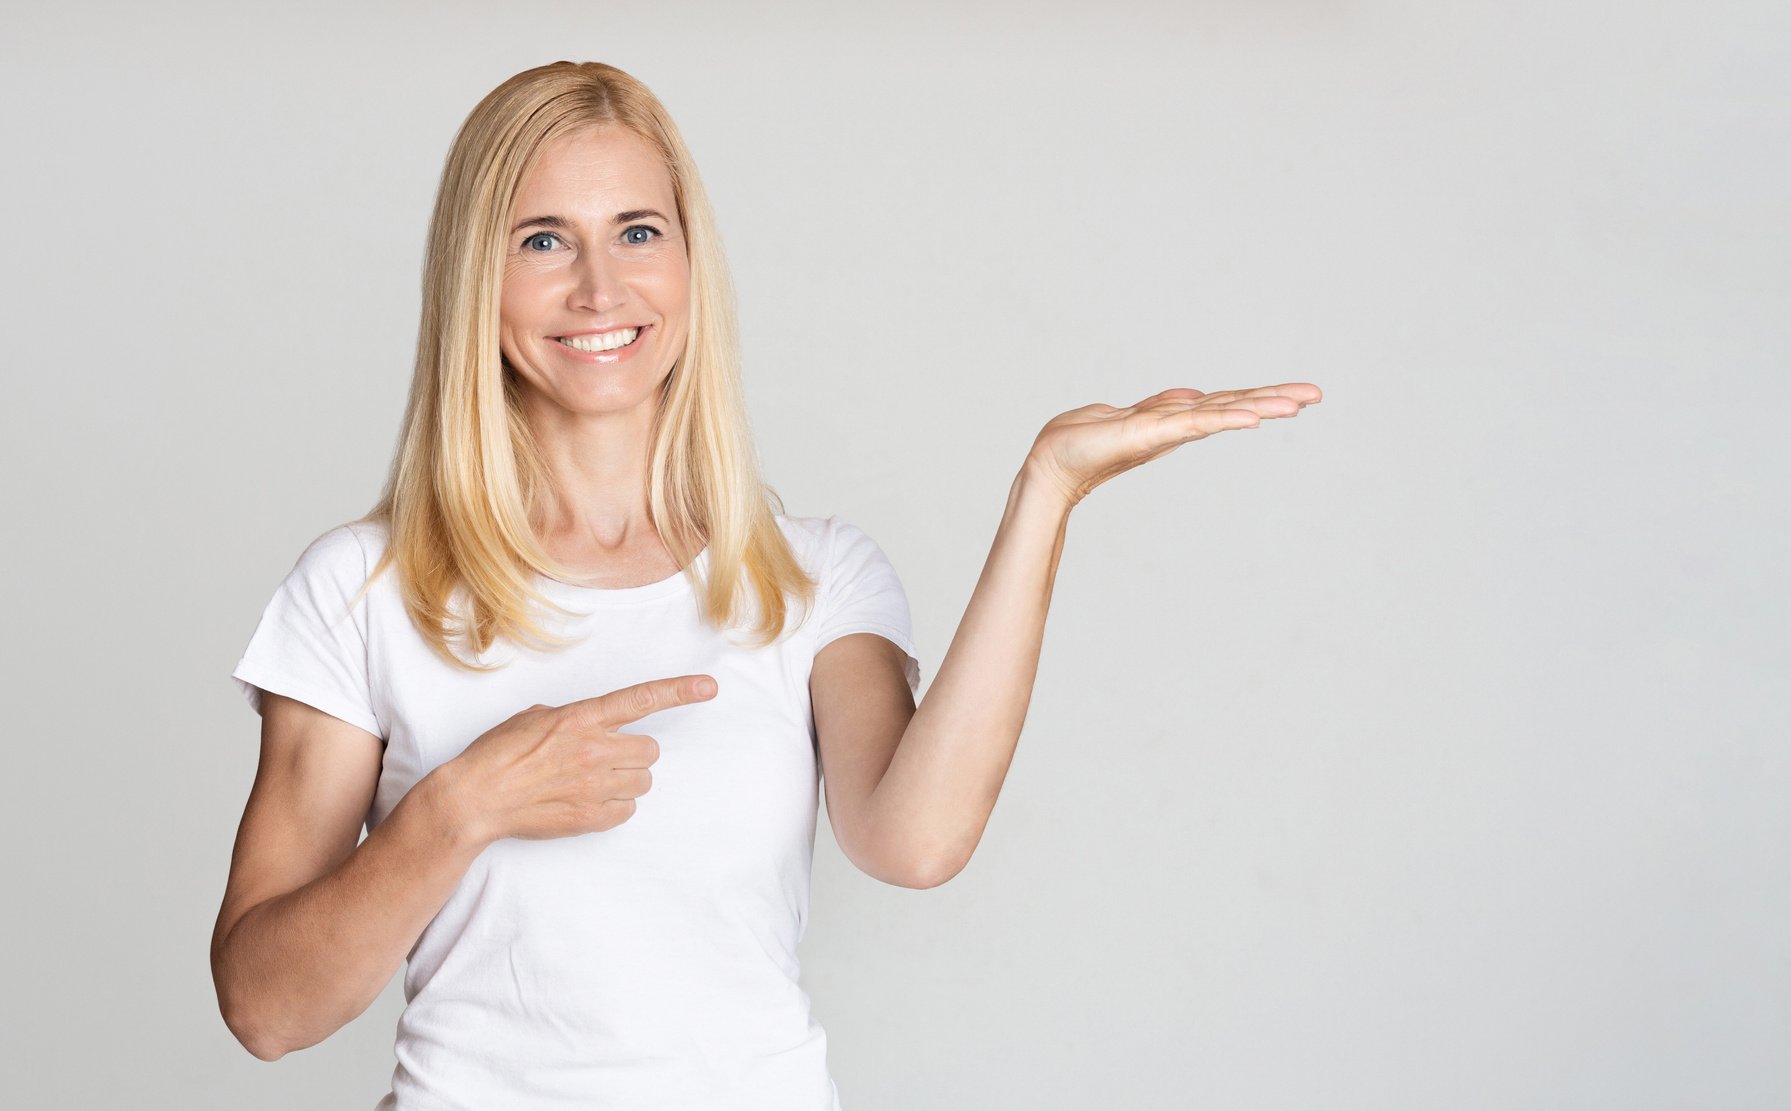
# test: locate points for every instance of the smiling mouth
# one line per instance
(601, 343)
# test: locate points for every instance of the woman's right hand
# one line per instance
(559, 771)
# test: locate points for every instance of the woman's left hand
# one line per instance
(1080, 449)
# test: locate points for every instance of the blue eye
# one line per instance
(656, 233)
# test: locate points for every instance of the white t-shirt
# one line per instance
(648, 966)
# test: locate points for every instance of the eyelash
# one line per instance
(625, 231)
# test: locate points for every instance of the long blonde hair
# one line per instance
(467, 476)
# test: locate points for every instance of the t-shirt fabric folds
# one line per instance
(649, 966)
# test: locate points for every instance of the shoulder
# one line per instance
(809, 537)
(839, 553)
(822, 541)
(802, 530)
(344, 555)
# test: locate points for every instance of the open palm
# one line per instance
(1085, 447)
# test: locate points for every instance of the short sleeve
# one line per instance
(309, 644)
(861, 593)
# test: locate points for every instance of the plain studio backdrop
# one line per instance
(1425, 750)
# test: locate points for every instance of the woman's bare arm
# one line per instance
(921, 811)
(313, 925)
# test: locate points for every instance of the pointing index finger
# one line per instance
(630, 704)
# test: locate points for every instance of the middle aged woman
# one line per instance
(574, 522)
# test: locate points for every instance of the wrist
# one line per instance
(450, 809)
(1042, 482)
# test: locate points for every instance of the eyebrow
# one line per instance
(566, 225)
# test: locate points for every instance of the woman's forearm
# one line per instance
(296, 968)
(942, 783)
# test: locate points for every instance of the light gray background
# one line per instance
(1426, 750)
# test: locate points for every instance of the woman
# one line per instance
(575, 528)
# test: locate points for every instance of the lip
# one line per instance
(621, 354)
(596, 331)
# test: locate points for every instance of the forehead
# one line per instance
(593, 174)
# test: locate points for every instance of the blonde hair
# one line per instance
(468, 477)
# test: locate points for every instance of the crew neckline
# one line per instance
(677, 583)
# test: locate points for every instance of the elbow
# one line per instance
(914, 863)
(932, 874)
(268, 1025)
(255, 1041)
(240, 1018)
(264, 1051)
(232, 1007)
(917, 874)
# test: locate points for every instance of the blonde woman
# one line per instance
(581, 681)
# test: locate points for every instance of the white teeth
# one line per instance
(605, 341)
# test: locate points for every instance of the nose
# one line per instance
(596, 283)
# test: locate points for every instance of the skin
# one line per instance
(593, 422)
(909, 789)
(574, 262)
(313, 925)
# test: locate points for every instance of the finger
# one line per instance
(1262, 408)
(1267, 408)
(638, 751)
(1177, 393)
(1205, 422)
(630, 704)
(1302, 393)
(631, 784)
(1273, 406)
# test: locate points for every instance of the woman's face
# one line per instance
(595, 246)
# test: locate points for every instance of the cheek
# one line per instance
(510, 309)
(670, 287)
(522, 295)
